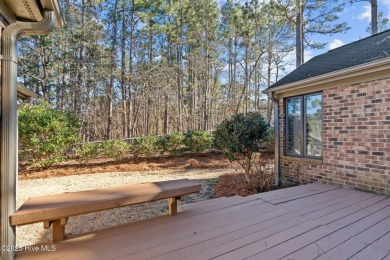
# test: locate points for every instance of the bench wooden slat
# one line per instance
(64, 205)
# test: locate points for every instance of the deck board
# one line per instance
(358, 242)
(216, 246)
(207, 236)
(266, 236)
(257, 246)
(292, 245)
(329, 197)
(184, 227)
(290, 194)
(321, 218)
(341, 235)
(303, 222)
(377, 250)
(197, 229)
(218, 201)
(386, 257)
(235, 238)
(188, 215)
(306, 239)
(187, 250)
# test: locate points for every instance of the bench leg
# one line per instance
(59, 229)
(172, 205)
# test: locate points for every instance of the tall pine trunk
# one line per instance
(79, 85)
(299, 34)
(110, 87)
(374, 17)
(130, 73)
(125, 124)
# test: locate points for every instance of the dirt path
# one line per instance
(32, 234)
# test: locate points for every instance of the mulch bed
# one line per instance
(232, 184)
(235, 183)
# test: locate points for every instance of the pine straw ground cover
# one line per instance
(234, 183)
(228, 184)
(261, 179)
(211, 159)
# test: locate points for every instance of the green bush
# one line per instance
(197, 140)
(145, 145)
(170, 143)
(114, 148)
(241, 136)
(270, 140)
(87, 152)
(45, 134)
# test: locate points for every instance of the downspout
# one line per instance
(277, 138)
(9, 121)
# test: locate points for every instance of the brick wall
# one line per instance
(356, 139)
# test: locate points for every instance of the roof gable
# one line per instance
(363, 51)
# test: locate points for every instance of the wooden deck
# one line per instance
(313, 221)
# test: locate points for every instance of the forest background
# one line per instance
(131, 68)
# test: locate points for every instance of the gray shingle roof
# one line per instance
(362, 51)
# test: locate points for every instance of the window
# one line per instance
(304, 126)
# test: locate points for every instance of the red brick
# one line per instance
(356, 148)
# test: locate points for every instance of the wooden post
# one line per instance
(172, 204)
(47, 224)
(59, 229)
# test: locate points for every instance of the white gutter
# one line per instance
(370, 67)
(56, 7)
(9, 123)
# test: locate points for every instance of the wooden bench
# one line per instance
(56, 209)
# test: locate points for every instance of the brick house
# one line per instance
(332, 117)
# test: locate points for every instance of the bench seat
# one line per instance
(56, 209)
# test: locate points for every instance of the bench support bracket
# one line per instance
(58, 228)
(172, 205)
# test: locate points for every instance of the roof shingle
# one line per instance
(366, 50)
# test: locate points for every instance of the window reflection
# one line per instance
(314, 125)
(304, 126)
(294, 126)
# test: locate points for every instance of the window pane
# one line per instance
(314, 125)
(294, 126)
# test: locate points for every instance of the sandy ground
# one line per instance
(32, 234)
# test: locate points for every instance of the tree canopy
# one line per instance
(130, 68)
